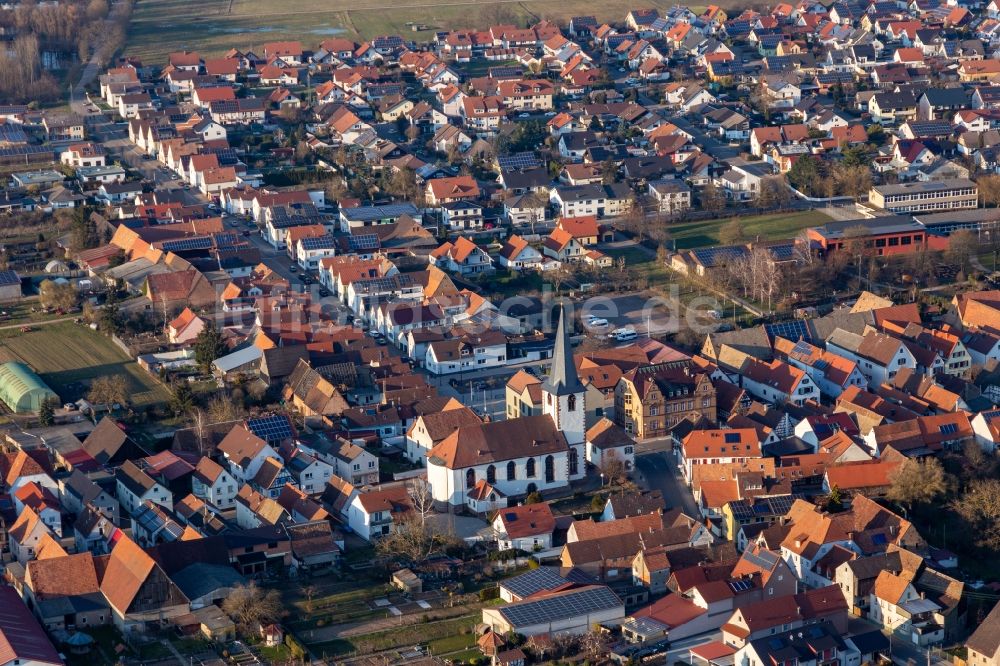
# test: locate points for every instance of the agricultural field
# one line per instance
(68, 356)
(212, 27)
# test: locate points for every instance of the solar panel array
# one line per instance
(741, 585)
(790, 330)
(802, 347)
(518, 161)
(25, 150)
(948, 428)
(542, 578)
(271, 428)
(323, 242)
(364, 242)
(187, 244)
(227, 239)
(556, 608)
(714, 256)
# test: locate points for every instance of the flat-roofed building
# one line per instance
(921, 196)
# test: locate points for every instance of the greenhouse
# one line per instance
(22, 390)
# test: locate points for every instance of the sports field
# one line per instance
(68, 356)
(780, 226)
(212, 27)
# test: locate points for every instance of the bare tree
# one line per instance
(802, 250)
(979, 507)
(200, 431)
(613, 469)
(413, 537)
(918, 482)
(853, 181)
(250, 605)
(963, 245)
(732, 232)
(309, 592)
(989, 190)
(109, 390)
(223, 409)
(712, 198)
(57, 295)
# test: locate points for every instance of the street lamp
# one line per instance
(602, 480)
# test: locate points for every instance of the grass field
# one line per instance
(768, 227)
(212, 27)
(68, 356)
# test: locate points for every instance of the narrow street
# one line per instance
(658, 471)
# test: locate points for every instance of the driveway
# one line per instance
(658, 471)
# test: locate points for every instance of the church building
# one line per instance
(521, 455)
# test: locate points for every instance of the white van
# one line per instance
(624, 334)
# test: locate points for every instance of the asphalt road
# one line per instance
(658, 471)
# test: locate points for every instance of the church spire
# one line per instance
(562, 379)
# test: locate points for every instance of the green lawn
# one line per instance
(68, 356)
(452, 643)
(400, 637)
(688, 235)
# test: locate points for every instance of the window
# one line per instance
(511, 471)
(574, 462)
(491, 474)
(550, 469)
(470, 478)
(571, 403)
(529, 468)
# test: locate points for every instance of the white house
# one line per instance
(607, 443)
(471, 351)
(831, 373)
(371, 513)
(244, 453)
(518, 255)
(986, 426)
(527, 527)
(777, 382)
(134, 487)
(592, 200)
(463, 257)
(212, 484)
(310, 473)
(878, 356)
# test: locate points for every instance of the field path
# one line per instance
(37, 323)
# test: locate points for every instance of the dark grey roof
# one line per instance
(954, 98)
(870, 642)
(199, 579)
(563, 379)
(570, 604)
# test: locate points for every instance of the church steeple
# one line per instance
(562, 379)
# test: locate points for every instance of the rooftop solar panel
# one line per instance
(542, 578)
(790, 330)
(518, 161)
(571, 604)
(364, 242)
(184, 244)
(271, 428)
